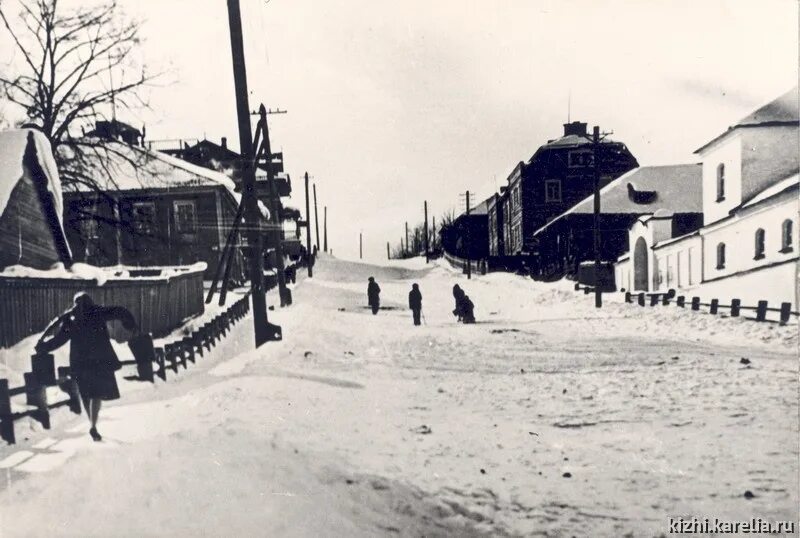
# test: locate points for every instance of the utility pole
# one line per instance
(388, 254)
(427, 249)
(407, 247)
(434, 233)
(402, 252)
(316, 215)
(598, 297)
(466, 237)
(252, 215)
(275, 209)
(325, 230)
(360, 245)
(310, 262)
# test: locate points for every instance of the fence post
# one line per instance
(761, 311)
(70, 387)
(6, 418)
(641, 299)
(653, 300)
(736, 305)
(628, 297)
(36, 395)
(681, 301)
(43, 368)
(786, 312)
(714, 306)
(162, 363)
(188, 348)
(665, 299)
(695, 303)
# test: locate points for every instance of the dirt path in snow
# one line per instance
(546, 418)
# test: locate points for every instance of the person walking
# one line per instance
(92, 360)
(373, 295)
(415, 302)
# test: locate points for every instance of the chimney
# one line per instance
(224, 142)
(575, 128)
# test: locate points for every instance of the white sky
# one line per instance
(391, 103)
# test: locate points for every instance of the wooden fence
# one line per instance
(159, 303)
(476, 266)
(171, 357)
(714, 306)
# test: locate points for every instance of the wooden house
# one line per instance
(31, 233)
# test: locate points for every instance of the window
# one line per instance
(720, 182)
(786, 236)
(721, 256)
(185, 217)
(144, 218)
(516, 197)
(760, 238)
(580, 158)
(552, 190)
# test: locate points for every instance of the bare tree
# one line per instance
(73, 67)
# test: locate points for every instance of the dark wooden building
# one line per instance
(467, 236)
(555, 178)
(151, 209)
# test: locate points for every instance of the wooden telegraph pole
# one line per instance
(466, 240)
(598, 297)
(427, 250)
(388, 254)
(434, 233)
(252, 215)
(407, 247)
(308, 233)
(360, 247)
(325, 230)
(316, 215)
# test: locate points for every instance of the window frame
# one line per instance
(176, 213)
(547, 197)
(720, 182)
(137, 222)
(760, 249)
(787, 231)
(721, 255)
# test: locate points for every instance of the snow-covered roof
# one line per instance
(12, 151)
(777, 188)
(675, 188)
(782, 110)
(119, 166)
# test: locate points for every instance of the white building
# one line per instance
(747, 247)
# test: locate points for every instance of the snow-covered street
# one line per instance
(547, 417)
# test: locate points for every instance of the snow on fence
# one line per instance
(159, 298)
(762, 310)
(476, 266)
(44, 375)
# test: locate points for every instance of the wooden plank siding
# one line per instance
(25, 236)
(159, 304)
(122, 243)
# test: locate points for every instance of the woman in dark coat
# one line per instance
(415, 302)
(92, 360)
(374, 295)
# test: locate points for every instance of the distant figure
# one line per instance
(92, 360)
(467, 310)
(415, 302)
(374, 295)
(458, 295)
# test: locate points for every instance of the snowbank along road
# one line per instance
(547, 417)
